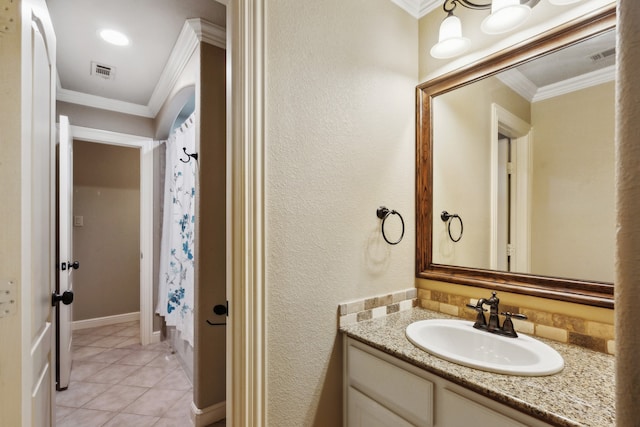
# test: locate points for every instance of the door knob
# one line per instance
(66, 298)
(220, 309)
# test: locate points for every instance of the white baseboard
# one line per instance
(210, 415)
(155, 337)
(107, 320)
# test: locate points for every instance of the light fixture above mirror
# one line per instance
(505, 16)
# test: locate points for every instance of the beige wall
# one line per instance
(462, 168)
(340, 90)
(95, 118)
(107, 196)
(573, 215)
(211, 244)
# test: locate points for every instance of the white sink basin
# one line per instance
(457, 341)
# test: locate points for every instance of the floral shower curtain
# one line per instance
(176, 290)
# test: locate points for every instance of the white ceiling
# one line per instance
(153, 27)
(566, 70)
(570, 62)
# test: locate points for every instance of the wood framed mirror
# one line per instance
(464, 116)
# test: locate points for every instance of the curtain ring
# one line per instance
(383, 213)
(446, 217)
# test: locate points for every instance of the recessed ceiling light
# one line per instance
(114, 37)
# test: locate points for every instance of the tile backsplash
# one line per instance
(378, 306)
(558, 327)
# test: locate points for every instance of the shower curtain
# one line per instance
(176, 284)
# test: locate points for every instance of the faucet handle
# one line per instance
(507, 326)
(514, 315)
(477, 308)
(481, 322)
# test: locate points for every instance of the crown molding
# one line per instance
(519, 83)
(528, 90)
(584, 81)
(418, 8)
(109, 137)
(186, 44)
(427, 6)
(194, 32)
(102, 103)
(209, 33)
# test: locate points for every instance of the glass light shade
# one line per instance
(450, 40)
(505, 16)
(563, 2)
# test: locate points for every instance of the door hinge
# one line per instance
(510, 168)
(8, 304)
(511, 250)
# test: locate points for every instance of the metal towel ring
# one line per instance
(446, 216)
(383, 213)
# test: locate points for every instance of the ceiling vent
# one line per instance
(105, 71)
(601, 56)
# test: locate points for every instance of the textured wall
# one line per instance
(107, 195)
(628, 221)
(340, 82)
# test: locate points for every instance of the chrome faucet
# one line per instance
(493, 326)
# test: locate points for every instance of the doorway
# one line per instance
(510, 191)
(106, 222)
(144, 147)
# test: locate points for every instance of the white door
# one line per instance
(38, 145)
(508, 208)
(503, 210)
(66, 263)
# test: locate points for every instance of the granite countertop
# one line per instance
(582, 394)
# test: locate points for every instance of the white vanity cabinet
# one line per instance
(382, 391)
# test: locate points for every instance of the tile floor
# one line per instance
(117, 382)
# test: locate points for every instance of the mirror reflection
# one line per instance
(525, 159)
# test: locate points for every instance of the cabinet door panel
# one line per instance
(459, 411)
(401, 391)
(365, 412)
